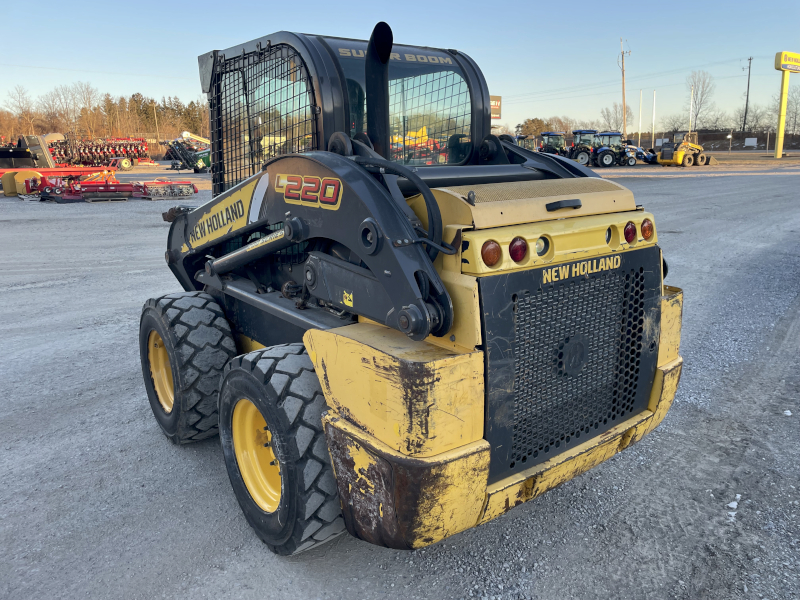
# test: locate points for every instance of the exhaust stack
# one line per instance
(376, 74)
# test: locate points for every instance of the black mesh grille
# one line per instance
(554, 403)
(261, 107)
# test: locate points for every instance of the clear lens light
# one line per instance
(541, 246)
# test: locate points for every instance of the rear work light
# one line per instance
(647, 229)
(518, 249)
(630, 232)
(491, 253)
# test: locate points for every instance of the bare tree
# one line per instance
(757, 118)
(505, 128)
(704, 86)
(717, 120)
(611, 118)
(23, 108)
(674, 123)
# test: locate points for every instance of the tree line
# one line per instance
(84, 111)
(704, 114)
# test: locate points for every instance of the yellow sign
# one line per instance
(223, 217)
(787, 61)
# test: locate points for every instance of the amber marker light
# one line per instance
(630, 232)
(518, 249)
(491, 253)
(647, 229)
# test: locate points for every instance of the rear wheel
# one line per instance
(583, 157)
(271, 406)
(184, 343)
(606, 159)
(688, 160)
(700, 160)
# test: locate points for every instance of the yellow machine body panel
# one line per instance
(417, 398)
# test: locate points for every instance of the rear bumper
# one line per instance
(392, 500)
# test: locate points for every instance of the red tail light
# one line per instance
(630, 232)
(518, 249)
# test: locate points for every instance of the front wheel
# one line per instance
(700, 160)
(582, 158)
(270, 412)
(631, 162)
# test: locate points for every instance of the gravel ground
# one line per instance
(95, 502)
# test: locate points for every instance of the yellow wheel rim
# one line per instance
(252, 444)
(160, 371)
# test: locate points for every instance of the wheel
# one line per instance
(184, 343)
(688, 160)
(125, 164)
(270, 411)
(631, 161)
(583, 157)
(606, 159)
(700, 159)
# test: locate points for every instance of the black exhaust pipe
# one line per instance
(376, 74)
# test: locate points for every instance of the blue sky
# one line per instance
(544, 58)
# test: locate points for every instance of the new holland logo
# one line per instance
(586, 267)
(307, 190)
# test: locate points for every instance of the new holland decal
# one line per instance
(308, 190)
(586, 267)
(223, 217)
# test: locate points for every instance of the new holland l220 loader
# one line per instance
(399, 349)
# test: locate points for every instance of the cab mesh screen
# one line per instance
(261, 107)
(430, 117)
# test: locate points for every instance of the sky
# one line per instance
(543, 58)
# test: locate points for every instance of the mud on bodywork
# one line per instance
(399, 502)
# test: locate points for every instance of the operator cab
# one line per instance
(553, 142)
(291, 93)
(610, 139)
(689, 138)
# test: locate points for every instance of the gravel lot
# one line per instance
(95, 502)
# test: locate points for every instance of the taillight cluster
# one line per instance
(630, 230)
(492, 252)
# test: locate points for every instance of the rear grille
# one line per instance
(552, 406)
(567, 360)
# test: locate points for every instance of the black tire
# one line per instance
(606, 159)
(631, 161)
(700, 159)
(280, 381)
(199, 343)
(688, 160)
(583, 158)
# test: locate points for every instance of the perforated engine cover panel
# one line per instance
(567, 358)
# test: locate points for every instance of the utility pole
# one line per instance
(639, 142)
(653, 133)
(155, 116)
(624, 109)
(747, 97)
(691, 103)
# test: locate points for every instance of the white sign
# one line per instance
(750, 142)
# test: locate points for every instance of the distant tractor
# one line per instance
(684, 152)
(582, 145)
(609, 149)
(553, 142)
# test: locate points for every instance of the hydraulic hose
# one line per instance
(435, 227)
